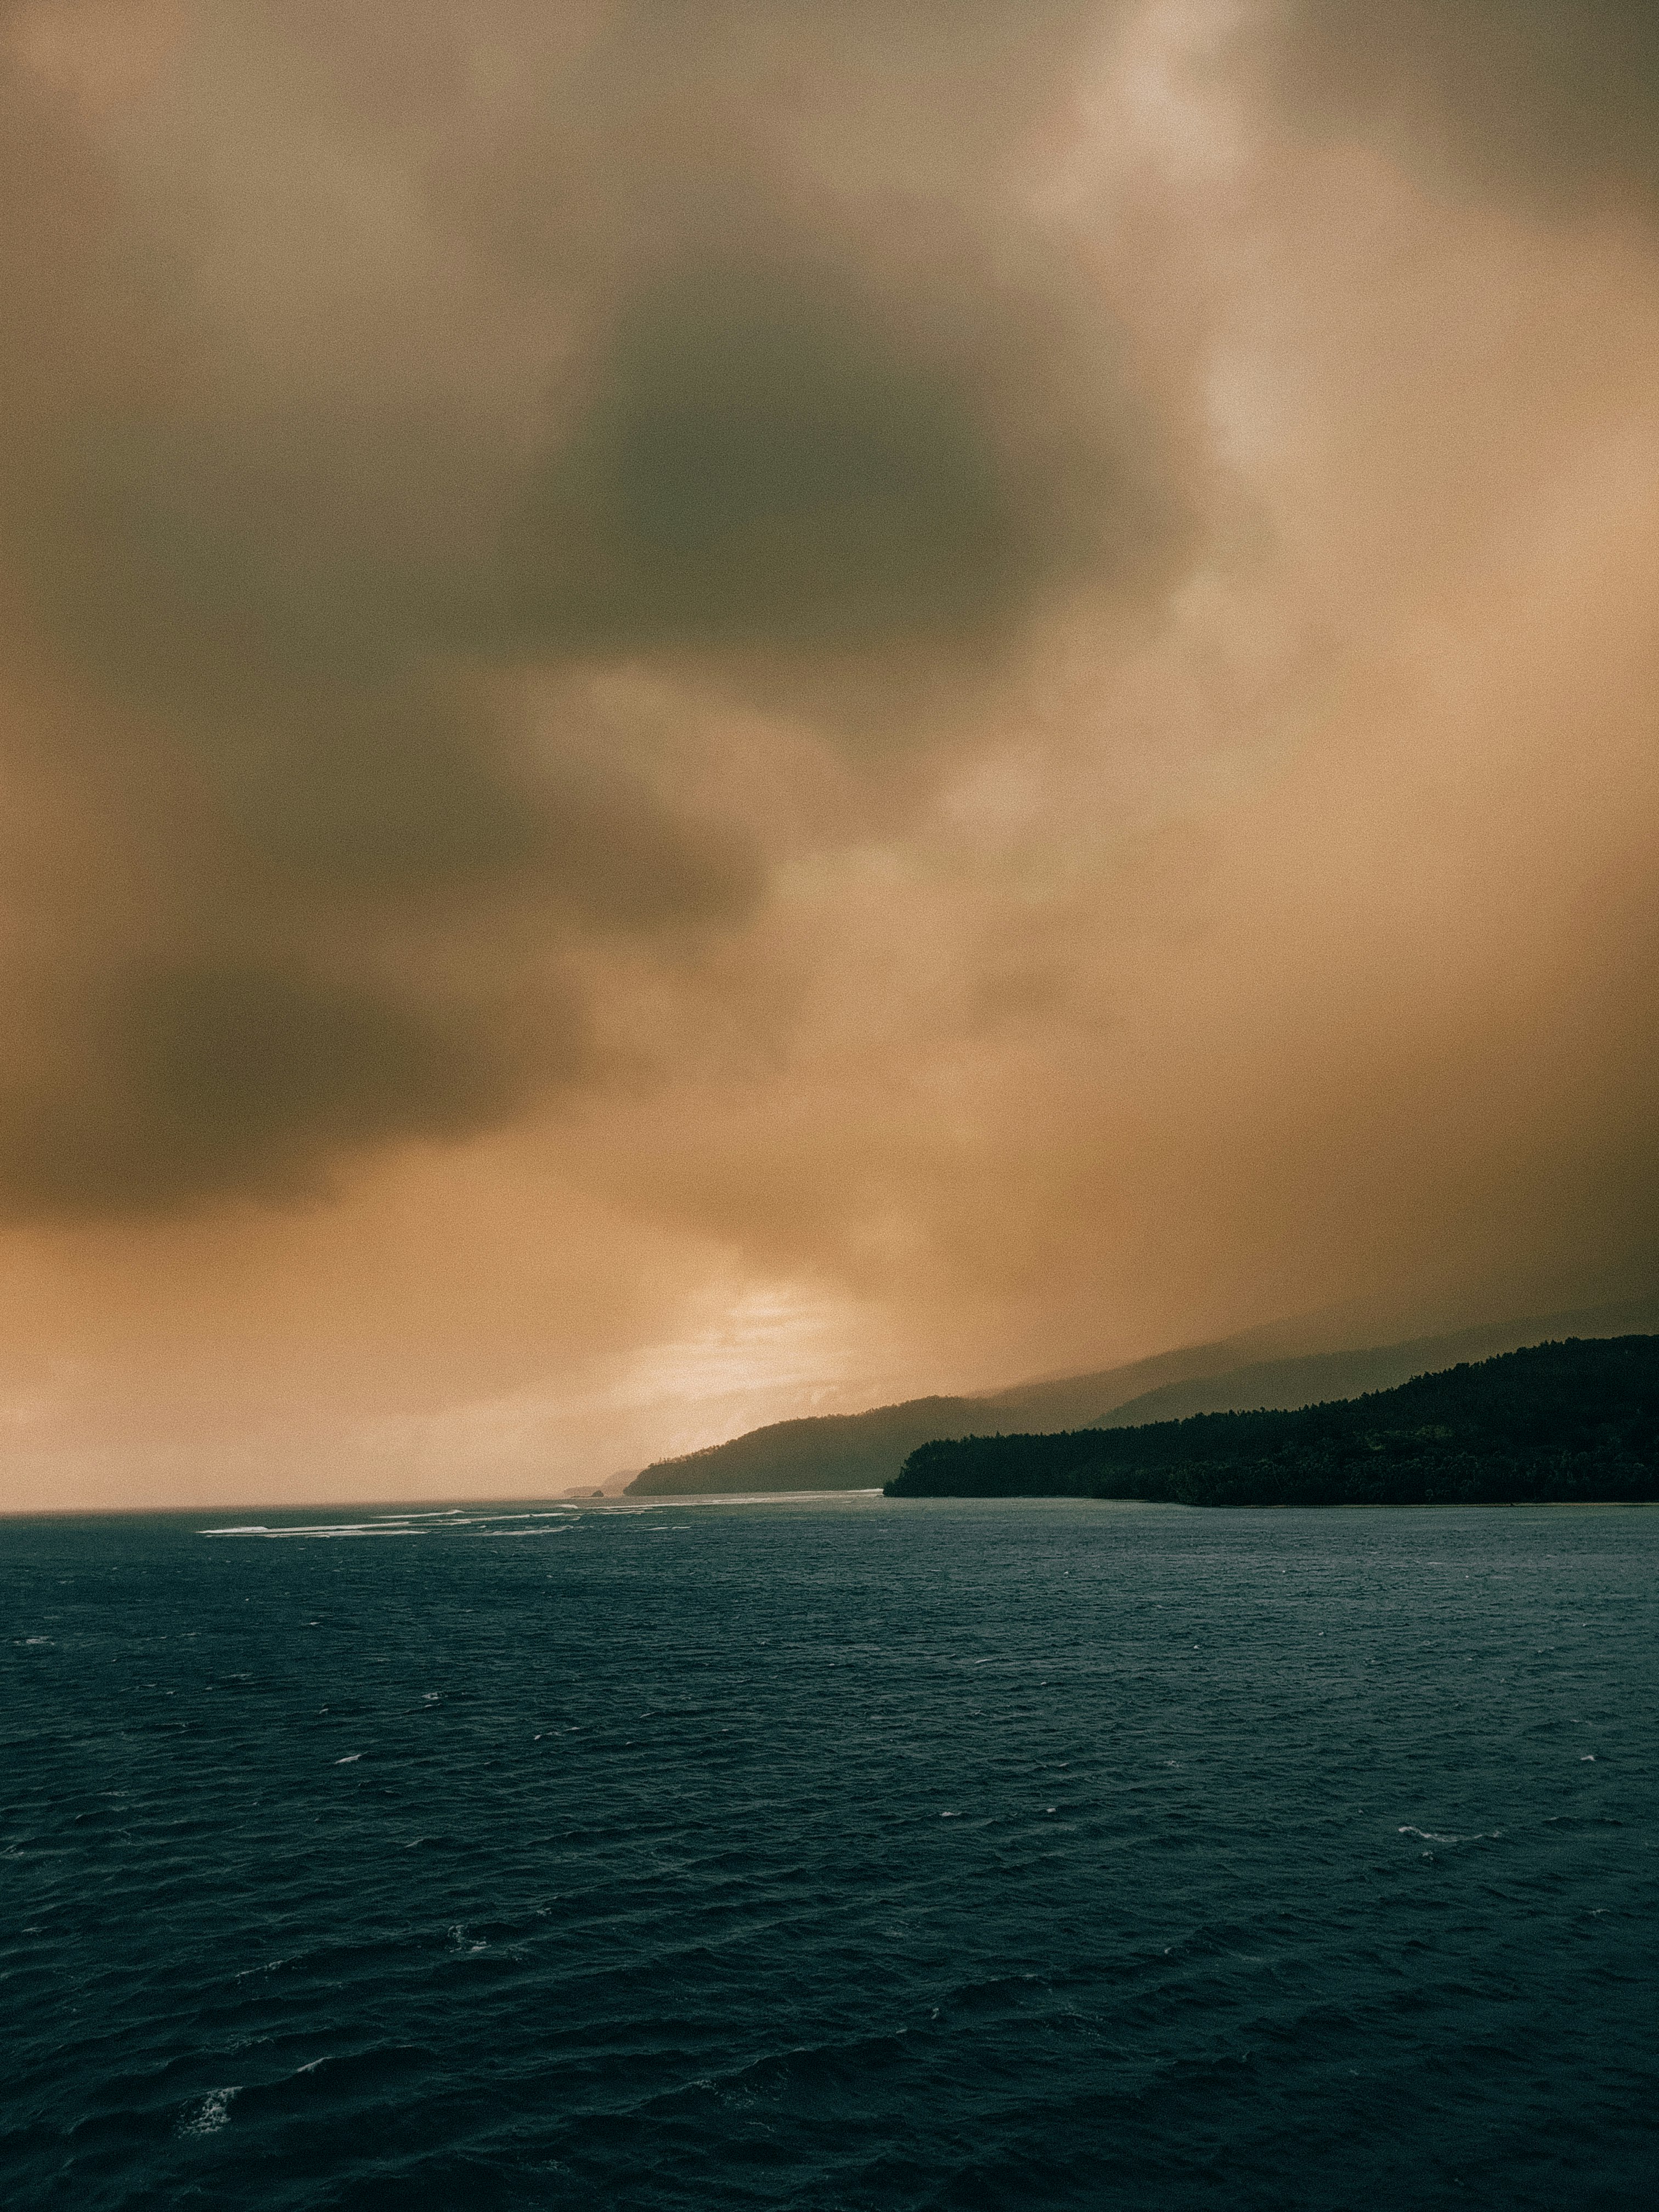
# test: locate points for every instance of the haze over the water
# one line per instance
(710, 712)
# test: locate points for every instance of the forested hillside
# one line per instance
(1557, 1422)
(1270, 1366)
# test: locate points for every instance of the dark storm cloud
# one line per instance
(415, 788)
(834, 388)
(765, 462)
(1558, 99)
(757, 467)
(650, 370)
(194, 1081)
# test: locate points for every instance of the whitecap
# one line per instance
(211, 2114)
(323, 1529)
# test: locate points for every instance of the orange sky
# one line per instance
(716, 712)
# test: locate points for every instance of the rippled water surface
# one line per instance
(839, 1853)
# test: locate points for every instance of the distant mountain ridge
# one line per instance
(858, 1451)
(822, 1451)
(1285, 1384)
(1565, 1422)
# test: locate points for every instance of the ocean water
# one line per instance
(837, 1853)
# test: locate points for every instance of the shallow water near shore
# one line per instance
(830, 1853)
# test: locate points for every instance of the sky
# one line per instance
(722, 710)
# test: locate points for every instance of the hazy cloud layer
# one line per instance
(1557, 100)
(993, 664)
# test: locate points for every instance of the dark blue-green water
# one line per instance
(844, 1853)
